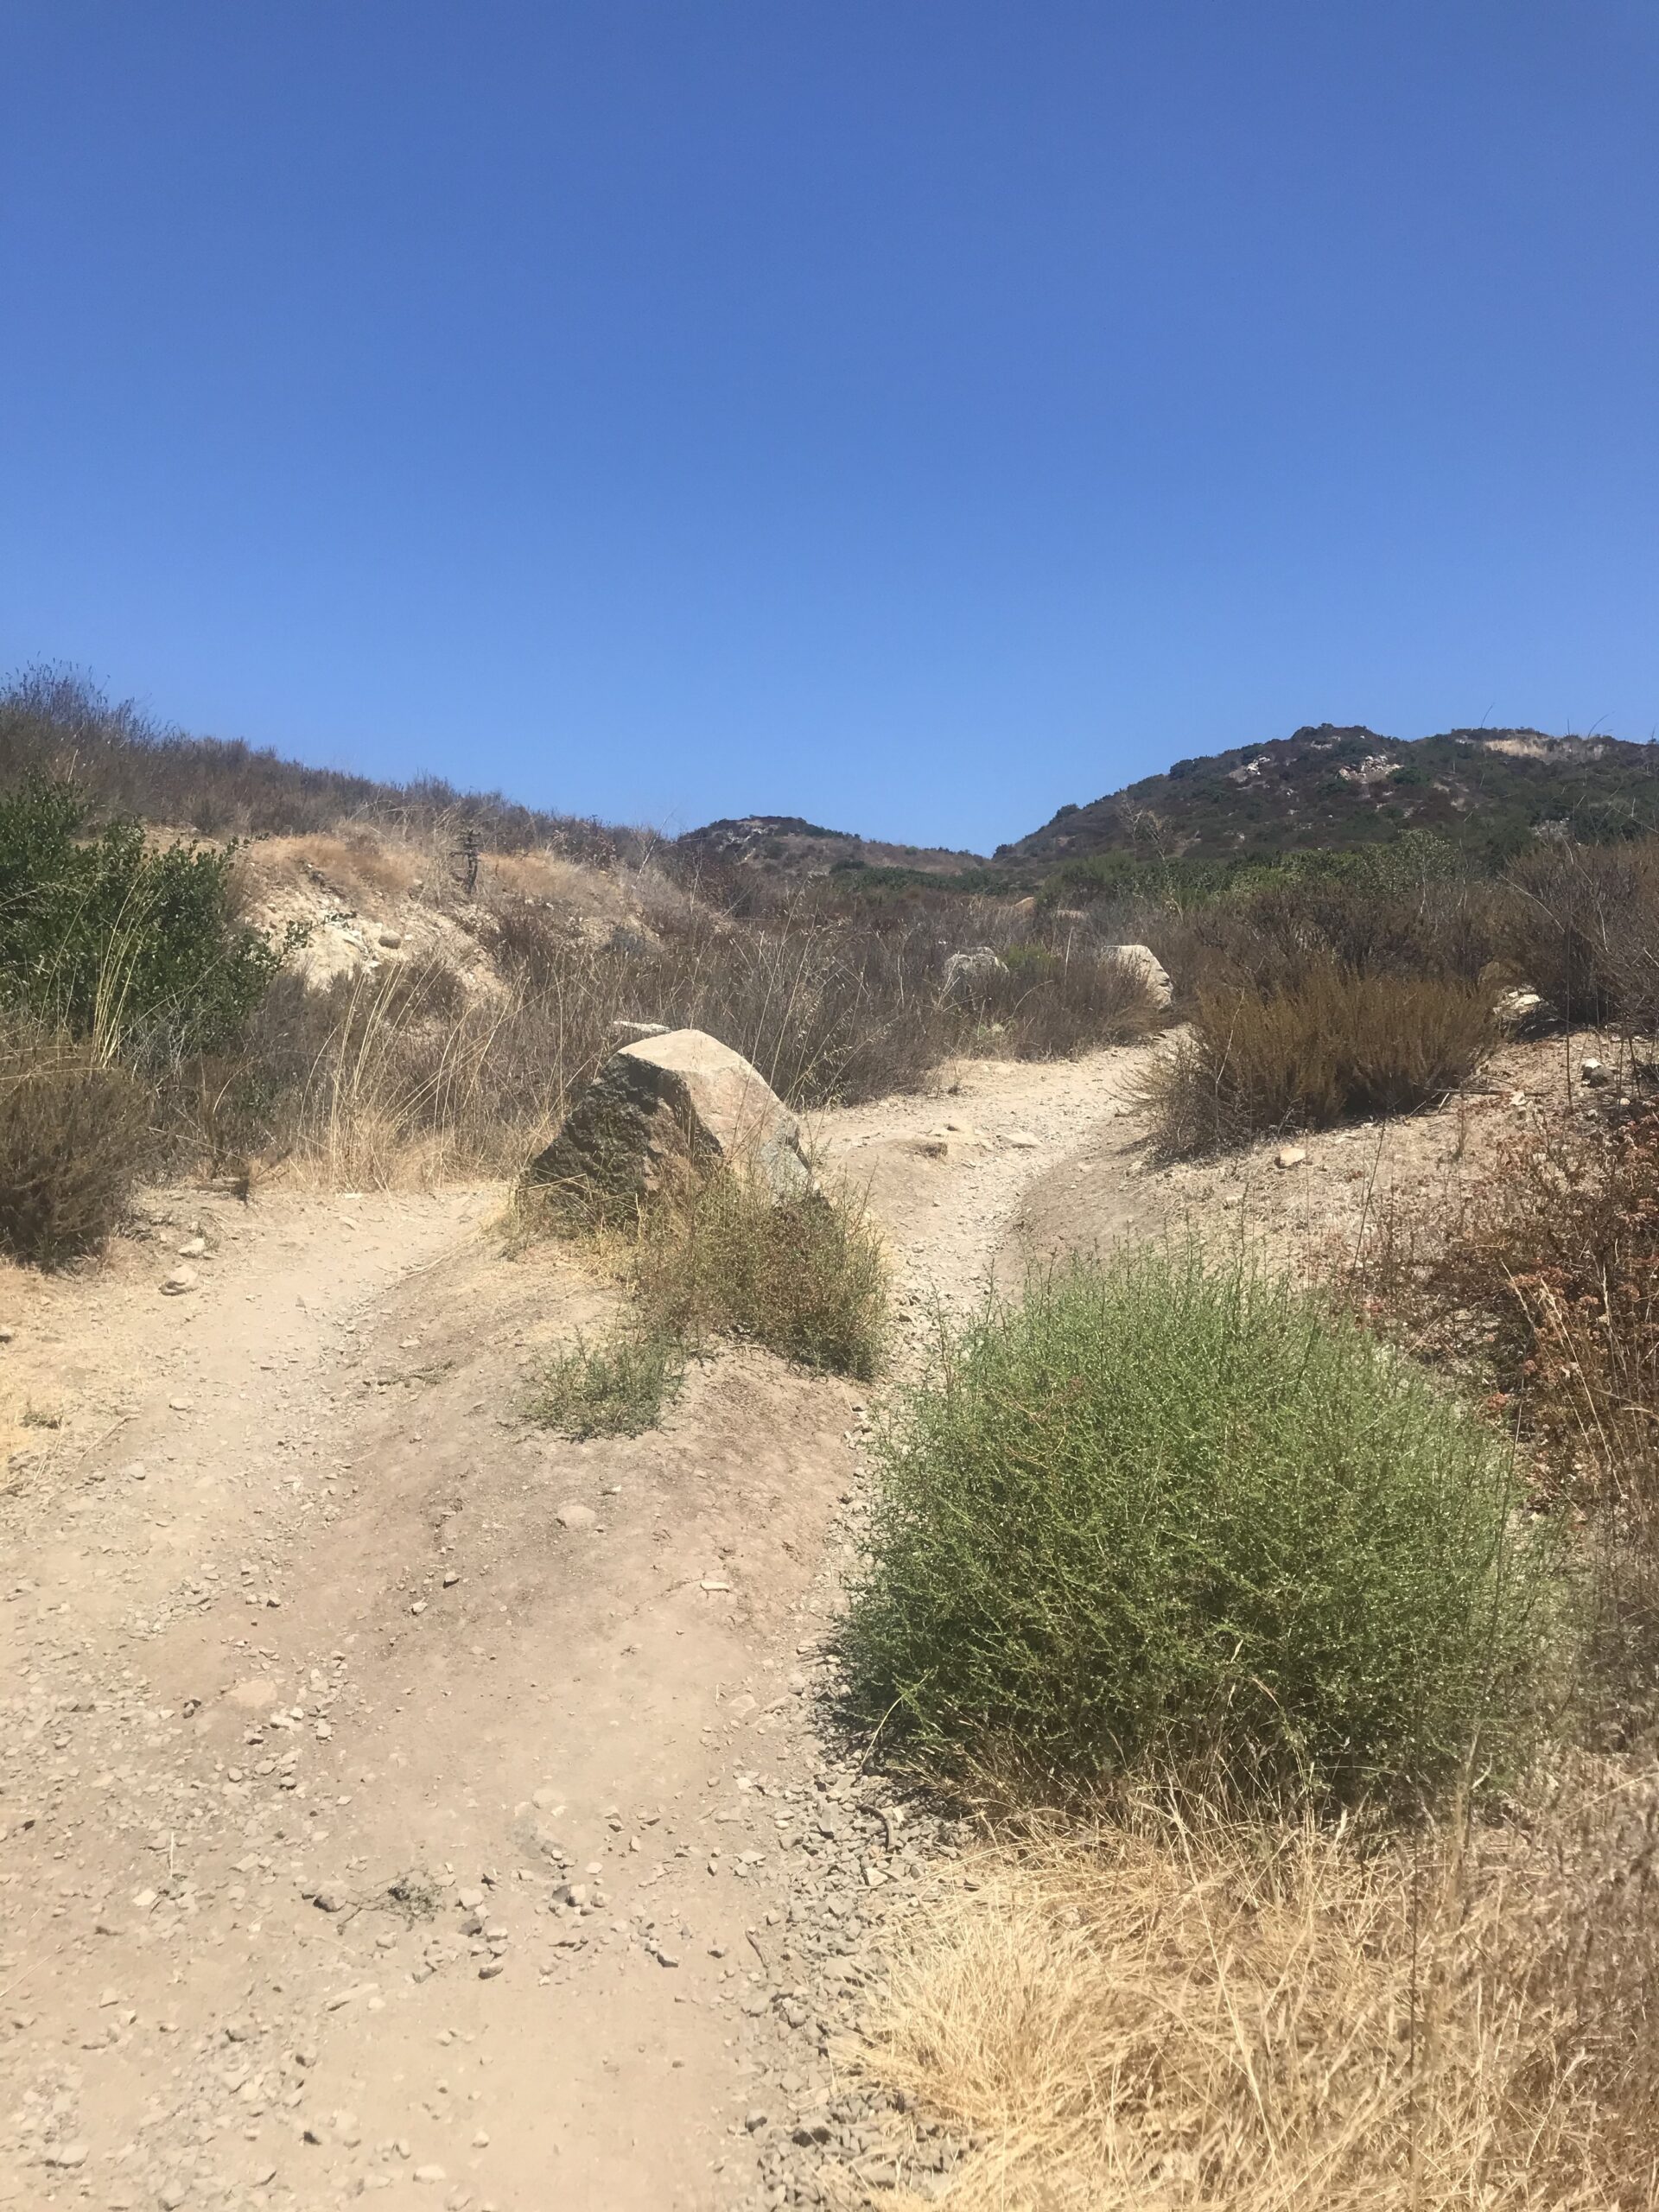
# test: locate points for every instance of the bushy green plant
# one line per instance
(1167, 1517)
(618, 1387)
(804, 1277)
(136, 948)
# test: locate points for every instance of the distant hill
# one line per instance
(782, 844)
(1331, 785)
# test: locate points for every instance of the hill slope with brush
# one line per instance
(1330, 785)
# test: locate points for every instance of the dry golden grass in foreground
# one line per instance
(1163, 2017)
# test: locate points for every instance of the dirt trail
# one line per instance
(393, 1799)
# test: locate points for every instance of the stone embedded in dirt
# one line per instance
(178, 1281)
(192, 1247)
(1144, 963)
(252, 1695)
(1291, 1155)
(391, 940)
(1592, 1072)
(969, 975)
(662, 1104)
(1518, 1007)
(575, 1516)
(1021, 1139)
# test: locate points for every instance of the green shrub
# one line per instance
(102, 935)
(805, 1276)
(714, 1258)
(617, 1388)
(1337, 1044)
(1165, 1519)
(74, 1136)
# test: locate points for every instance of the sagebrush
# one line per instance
(1168, 1517)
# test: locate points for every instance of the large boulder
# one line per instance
(967, 975)
(662, 1105)
(1145, 963)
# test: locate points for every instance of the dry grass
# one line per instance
(1543, 1287)
(74, 1138)
(362, 863)
(1272, 2017)
(405, 1075)
(1335, 1044)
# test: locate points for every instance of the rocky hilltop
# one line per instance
(1331, 785)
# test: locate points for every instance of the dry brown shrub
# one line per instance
(1335, 1044)
(1582, 925)
(74, 1137)
(1542, 1284)
(1278, 2019)
(1055, 1001)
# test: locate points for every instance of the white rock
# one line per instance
(1291, 1155)
(1145, 963)
(192, 1247)
(575, 1516)
(1516, 1006)
(181, 1280)
(657, 1102)
(967, 974)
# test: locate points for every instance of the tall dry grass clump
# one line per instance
(75, 1136)
(1179, 2012)
(1543, 1287)
(1334, 1044)
(1581, 922)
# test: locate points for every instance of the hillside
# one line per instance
(53, 722)
(1330, 785)
(783, 844)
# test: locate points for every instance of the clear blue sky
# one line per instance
(911, 414)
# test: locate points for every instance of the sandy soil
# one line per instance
(395, 1800)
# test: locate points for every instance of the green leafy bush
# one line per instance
(105, 937)
(618, 1387)
(74, 1136)
(806, 1276)
(1162, 1518)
